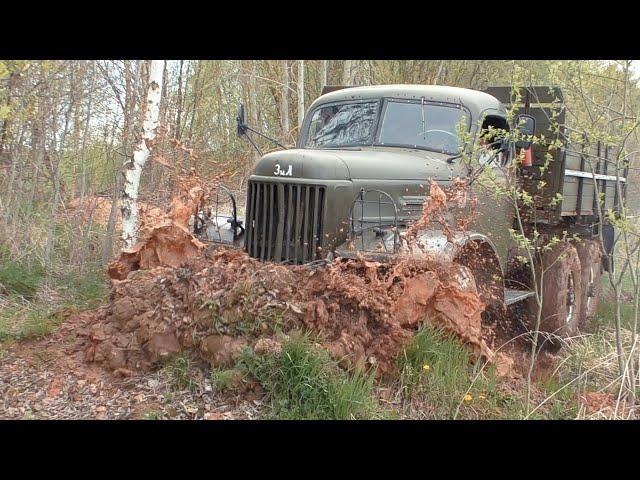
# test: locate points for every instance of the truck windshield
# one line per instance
(422, 125)
(342, 125)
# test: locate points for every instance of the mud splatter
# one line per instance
(435, 206)
(165, 239)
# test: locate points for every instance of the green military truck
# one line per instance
(358, 178)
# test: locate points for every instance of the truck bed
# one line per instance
(577, 170)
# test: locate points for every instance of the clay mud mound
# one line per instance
(169, 295)
(213, 306)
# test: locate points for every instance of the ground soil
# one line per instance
(49, 379)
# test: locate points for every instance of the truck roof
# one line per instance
(477, 102)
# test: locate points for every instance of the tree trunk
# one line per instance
(133, 167)
(300, 94)
(14, 78)
(323, 77)
(107, 248)
(253, 97)
(347, 77)
(179, 104)
(286, 126)
(439, 74)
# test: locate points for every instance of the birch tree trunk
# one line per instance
(134, 166)
(300, 93)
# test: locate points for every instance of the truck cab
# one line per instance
(353, 143)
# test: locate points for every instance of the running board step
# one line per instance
(514, 296)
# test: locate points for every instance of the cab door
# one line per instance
(495, 207)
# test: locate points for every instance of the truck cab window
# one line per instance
(422, 125)
(342, 125)
(488, 141)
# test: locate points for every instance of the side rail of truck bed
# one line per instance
(590, 169)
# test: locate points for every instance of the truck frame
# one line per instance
(359, 175)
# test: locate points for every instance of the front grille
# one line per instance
(284, 221)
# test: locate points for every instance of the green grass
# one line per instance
(151, 415)
(434, 362)
(20, 277)
(31, 295)
(607, 314)
(436, 367)
(223, 380)
(435, 373)
(83, 290)
(20, 320)
(563, 403)
(178, 367)
(606, 306)
(305, 383)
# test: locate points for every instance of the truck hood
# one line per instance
(375, 163)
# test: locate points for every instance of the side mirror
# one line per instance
(526, 126)
(241, 121)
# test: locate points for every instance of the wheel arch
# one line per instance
(480, 244)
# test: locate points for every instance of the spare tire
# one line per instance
(561, 291)
(590, 256)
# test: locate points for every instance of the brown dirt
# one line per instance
(48, 379)
(214, 306)
(600, 403)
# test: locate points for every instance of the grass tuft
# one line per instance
(305, 383)
(20, 320)
(178, 367)
(223, 380)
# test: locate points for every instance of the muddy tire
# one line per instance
(590, 256)
(561, 292)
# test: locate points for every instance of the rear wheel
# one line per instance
(591, 261)
(561, 292)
